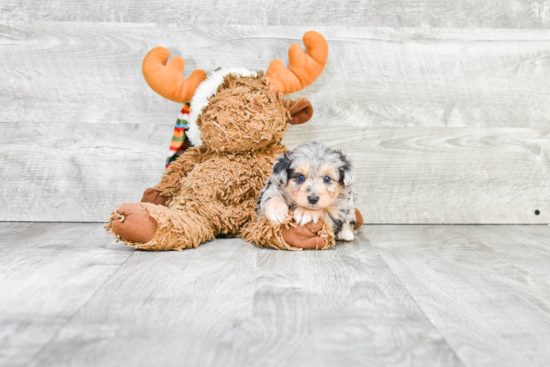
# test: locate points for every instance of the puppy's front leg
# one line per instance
(346, 234)
(276, 209)
(303, 216)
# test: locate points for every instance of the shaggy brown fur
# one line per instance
(268, 234)
(212, 189)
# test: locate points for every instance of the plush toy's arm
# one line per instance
(169, 186)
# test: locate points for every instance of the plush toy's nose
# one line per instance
(313, 199)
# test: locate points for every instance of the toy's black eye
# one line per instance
(301, 178)
(326, 179)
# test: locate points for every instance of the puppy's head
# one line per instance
(313, 175)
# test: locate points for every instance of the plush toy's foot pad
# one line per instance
(288, 235)
(305, 236)
(153, 196)
(136, 224)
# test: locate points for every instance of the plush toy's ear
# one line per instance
(347, 175)
(301, 112)
(281, 167)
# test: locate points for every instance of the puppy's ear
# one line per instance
(347, 174)
(301, 112)
(281, 167)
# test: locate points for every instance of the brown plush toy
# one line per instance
(236, 124)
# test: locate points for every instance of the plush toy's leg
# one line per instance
(288, 235)
(132, 224)
(153, 196)
(148, 226)
(358, 219)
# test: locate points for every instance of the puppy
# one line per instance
(314, 181)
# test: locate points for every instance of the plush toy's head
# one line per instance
(236, 110)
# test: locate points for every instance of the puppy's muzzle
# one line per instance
(313, 199)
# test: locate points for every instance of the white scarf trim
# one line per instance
(204, 91)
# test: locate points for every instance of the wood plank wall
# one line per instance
(443, 107)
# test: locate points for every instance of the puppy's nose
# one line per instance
(313, 199)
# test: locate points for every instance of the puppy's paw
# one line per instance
(303, 216)
(276, 210)
(345, 234)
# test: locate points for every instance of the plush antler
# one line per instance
(167, 79)
(303, 68)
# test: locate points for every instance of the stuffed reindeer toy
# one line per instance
(236, 120)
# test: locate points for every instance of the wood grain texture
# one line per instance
(49, 271)
(82, 132)
(445, 175)
(80, 172)
(77, 172)
(165, 309)
(397, 296)
(493, 309)
(341, 307)
(407, 77)
(385, 13)
(525, 247)
(231, 304)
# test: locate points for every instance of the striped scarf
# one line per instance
(179, 141)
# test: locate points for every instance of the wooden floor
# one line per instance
(399, 295)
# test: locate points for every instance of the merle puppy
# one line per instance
(314, 181)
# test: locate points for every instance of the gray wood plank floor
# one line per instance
(396, 296)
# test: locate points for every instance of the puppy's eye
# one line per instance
(301, 178)
(326, 179)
